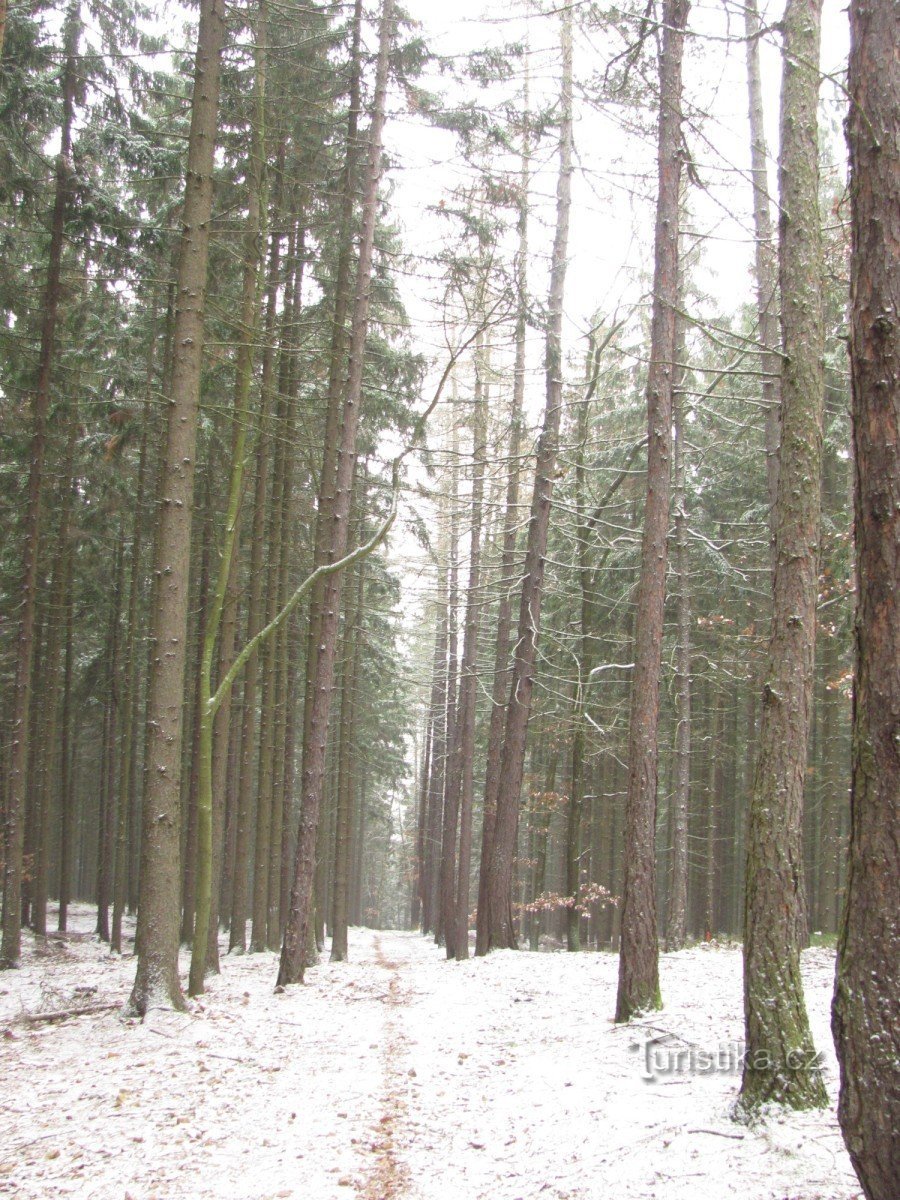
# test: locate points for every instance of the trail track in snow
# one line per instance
(395, 1076)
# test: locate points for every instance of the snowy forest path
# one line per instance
(390, 1176)
(396, 1075)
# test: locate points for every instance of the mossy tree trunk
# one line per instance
(780, 1063)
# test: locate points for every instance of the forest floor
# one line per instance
(398, 1076)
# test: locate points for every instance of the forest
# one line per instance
(450, 560)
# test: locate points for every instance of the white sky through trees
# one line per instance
(611, 242)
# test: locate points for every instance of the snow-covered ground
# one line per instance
(398, 1075)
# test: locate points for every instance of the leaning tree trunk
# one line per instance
(14, 823)
(158, 911)
(866, 1016)
(499, 917)
(313, 778)
(780, 1064)
(639, 955)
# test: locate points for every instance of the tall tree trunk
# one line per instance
(445, 931)
(237, 941)
(51, 753)
(337, 364)
(31, 526)
(501, 924)
(500, 687)
(639, 956)
(265, 793)
(468, 673)
(190, 791)
(676, 914)
(157, 979)
(346, 771)
(67, 837)
(766, 260)
(866, 1015)
(779, 1065)
(254, 239)
(127, 775)
(294, 944)
(106, 841)
(585, 662)
(438, 764)
(285, 640)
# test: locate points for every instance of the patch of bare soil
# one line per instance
(389, 1177)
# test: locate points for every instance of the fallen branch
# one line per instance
(63, 1014)
(734, 1137)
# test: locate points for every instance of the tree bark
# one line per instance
(157, 981)
(639, 956)
(780, 1064)
(866, 1014)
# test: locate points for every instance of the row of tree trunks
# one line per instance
(15, 809)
